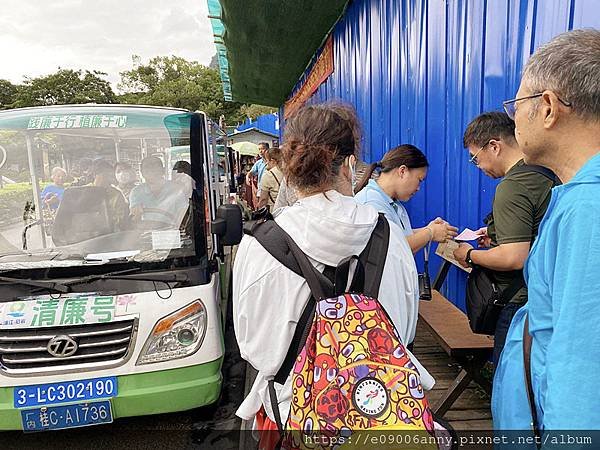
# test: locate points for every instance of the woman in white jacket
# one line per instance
(328, 225)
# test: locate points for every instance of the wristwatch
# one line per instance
(468, 259)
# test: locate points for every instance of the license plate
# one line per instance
(66, 416)
(66, 392)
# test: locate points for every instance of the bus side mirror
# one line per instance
(228, 224)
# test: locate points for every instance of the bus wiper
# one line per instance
(50, 285)
(129, 274)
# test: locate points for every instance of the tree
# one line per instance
(176, 82)
(8, 92)
(253, 111)
(65, 87)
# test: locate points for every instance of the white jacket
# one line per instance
(268, 298)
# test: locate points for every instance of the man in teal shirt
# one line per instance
(557, 117)
(259, 167)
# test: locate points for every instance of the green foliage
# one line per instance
(8, 92)
(65, 87)
(12, 201)
(162, 81)
(174, 81)
(253, 111)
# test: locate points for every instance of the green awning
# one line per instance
(263, 46)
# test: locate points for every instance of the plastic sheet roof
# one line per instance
(263, 46)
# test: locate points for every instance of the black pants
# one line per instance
(504, 320)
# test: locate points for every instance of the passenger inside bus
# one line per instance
(118, 210)
(126, 178)
(83, 172)
(53, 193)
(157, 203)
(182, 177)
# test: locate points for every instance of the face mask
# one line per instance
(353, 176)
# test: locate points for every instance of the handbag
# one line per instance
(485, 300)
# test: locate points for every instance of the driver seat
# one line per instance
(81, 215)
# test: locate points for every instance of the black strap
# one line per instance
(276, 179)
(340, 275)
(275, 406)
(512, 289)
(538, 169)
(283, 248)
(426, 251)
(278, 186)
(374, 256)
(527, 341)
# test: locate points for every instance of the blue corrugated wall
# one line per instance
(267, 122)
(418, 71)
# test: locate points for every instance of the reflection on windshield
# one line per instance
(72, 195)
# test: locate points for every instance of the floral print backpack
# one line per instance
(350, 371)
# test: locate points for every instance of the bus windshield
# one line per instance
(95, 184)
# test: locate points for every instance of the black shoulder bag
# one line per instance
(485, 300)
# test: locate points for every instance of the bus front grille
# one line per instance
(25, 352)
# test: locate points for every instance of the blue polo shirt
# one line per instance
(53, 189)
(259, 169)
(394, 210)
(564, 317)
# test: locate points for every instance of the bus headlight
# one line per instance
(176, 336)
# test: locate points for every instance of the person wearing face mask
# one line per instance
(321, 143)
(126, 178)
(118, 210)
(401, 172)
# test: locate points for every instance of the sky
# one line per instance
(37, 37)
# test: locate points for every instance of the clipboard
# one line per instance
(445, 251)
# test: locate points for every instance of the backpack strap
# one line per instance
(538, 169)
(527, 342)
(271, 237)
(373, 258)
(511, 290)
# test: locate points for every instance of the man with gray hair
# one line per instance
(259, 167)
(552, 351)
(53, 193)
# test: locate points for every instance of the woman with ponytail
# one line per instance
(401, 172)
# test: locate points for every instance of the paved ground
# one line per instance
(199, 429)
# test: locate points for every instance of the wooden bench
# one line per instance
(450, 327)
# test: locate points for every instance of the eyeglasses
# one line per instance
(510, 105)
(473, 159)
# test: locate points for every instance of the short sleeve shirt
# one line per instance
(519, 205)
(259, 168)
(53, 189)
(170, 199)
(270, 183)
(394, 210)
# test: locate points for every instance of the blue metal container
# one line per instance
(418, 71)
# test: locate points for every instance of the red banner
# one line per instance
(320, 71)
